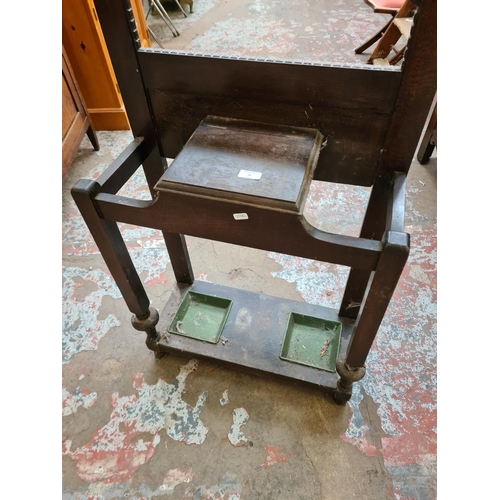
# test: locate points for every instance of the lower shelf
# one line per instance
(253, 334)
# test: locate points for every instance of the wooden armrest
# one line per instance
(121, 169)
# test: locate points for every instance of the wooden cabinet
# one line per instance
(88, 55)
(75, 119)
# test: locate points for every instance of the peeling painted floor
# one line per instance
(180, 428)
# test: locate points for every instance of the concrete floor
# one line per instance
(179, 428)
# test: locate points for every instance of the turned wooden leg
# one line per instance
(109, 240)
(147, 324)
(383, 282)
(348, 376)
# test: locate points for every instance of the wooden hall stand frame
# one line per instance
(286, 123)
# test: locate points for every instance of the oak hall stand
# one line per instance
(247, 137)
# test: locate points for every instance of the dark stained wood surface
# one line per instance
(108, 238)
(122, 40)
(373, 228)
(416, 94)
(117, 26)
(282, 160)
(348, 104)
(371, 120)
(378, 296)
(335, 85)
(353, 138)
(254, 331)
(121, 169)
(273, 230)
(429, 137)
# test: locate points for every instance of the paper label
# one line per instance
(240, 216)
(249, 174)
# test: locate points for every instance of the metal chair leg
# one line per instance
(153, 36)
(165, 17)
(180, 7)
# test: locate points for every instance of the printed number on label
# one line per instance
(249, 174)
(240, 216)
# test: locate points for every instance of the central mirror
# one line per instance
(319, 32)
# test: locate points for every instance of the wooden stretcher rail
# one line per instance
(121, 169)
(214, 220)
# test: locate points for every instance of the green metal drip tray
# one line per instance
(311, 341)
(201, 317)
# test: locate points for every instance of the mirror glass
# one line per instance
(319, 31)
